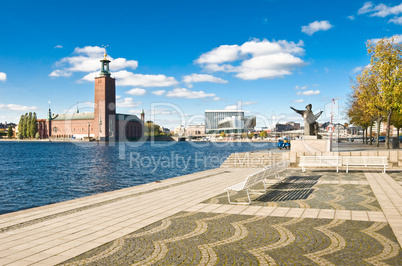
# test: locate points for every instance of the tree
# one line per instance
(397, 122)
(357, 109)
(10, 132)
(244, 135)
(27, 133)
(385, 62)
(37, 135)
(21, 127)
(152, 129)
(223, 134)
(263, 134)
(251, 135)
(33, 126)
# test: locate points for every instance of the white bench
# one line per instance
(320, 161)
(365, 161)
(254, 179)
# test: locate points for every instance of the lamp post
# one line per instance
(88, 130)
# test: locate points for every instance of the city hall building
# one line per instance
(103, 124)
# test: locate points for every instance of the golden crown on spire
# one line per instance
(105, 54)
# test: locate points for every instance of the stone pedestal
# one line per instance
(311, 145)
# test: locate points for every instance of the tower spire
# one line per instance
(49, 115)
(105, 64)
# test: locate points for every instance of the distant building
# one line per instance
(103, 124)
(287, 127)
(179, 131)
(166, 130)
(194, 130)
(7, 125)
(228, 121)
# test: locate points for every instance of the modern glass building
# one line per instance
(228, 121)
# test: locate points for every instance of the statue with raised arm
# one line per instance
(310, 120)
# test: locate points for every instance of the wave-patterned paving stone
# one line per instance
(192, 238)
(297, 192)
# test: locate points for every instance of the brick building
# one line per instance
(103, 124)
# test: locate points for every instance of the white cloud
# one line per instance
(216, 98)
(367, 7)
(126, 78)
(86, 59)
(298, 101)
(58, 46)
(397, 39)
(17, 107)
(315, 26)
(60, 73)
(351, 17)
(254, 59)
(159, 92)
(3, 76)
(380, 10)
(232, 107)
(202, 78)
(309, 92)
(185, 93)
(239, 105)
(127, 102)
(221, 54)
(357, 69)
(396, 20)
(301, 88)
(136, 91)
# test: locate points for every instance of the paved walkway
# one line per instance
(318, 218)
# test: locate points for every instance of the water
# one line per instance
(40, 173)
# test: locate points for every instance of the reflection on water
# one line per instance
(39, 173)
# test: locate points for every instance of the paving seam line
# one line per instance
(56, 215)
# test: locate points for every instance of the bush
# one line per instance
(37, 135)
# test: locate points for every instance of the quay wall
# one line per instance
(261, 159)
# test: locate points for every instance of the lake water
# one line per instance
(39, 173)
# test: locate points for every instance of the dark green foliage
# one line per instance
(28, 126)
(10, 132)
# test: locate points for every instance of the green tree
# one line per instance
(21, 127)
(10, 132)
(263, 134)
(27, 133)
(37, 135)
(385, 62)
(33, 125)
(152, 129)
(244, 135)
(251, 135)
(223, 134)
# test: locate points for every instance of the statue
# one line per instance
(310, 124)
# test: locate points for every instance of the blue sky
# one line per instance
(181, 58)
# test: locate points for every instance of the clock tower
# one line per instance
(105, 103)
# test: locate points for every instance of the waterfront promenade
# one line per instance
(318, 217)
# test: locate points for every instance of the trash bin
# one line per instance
(395, 143)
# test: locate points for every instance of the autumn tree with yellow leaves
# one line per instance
(377, 92)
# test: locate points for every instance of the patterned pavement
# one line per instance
(217, 233)
(193, 238)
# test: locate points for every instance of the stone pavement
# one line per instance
(312, 218)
